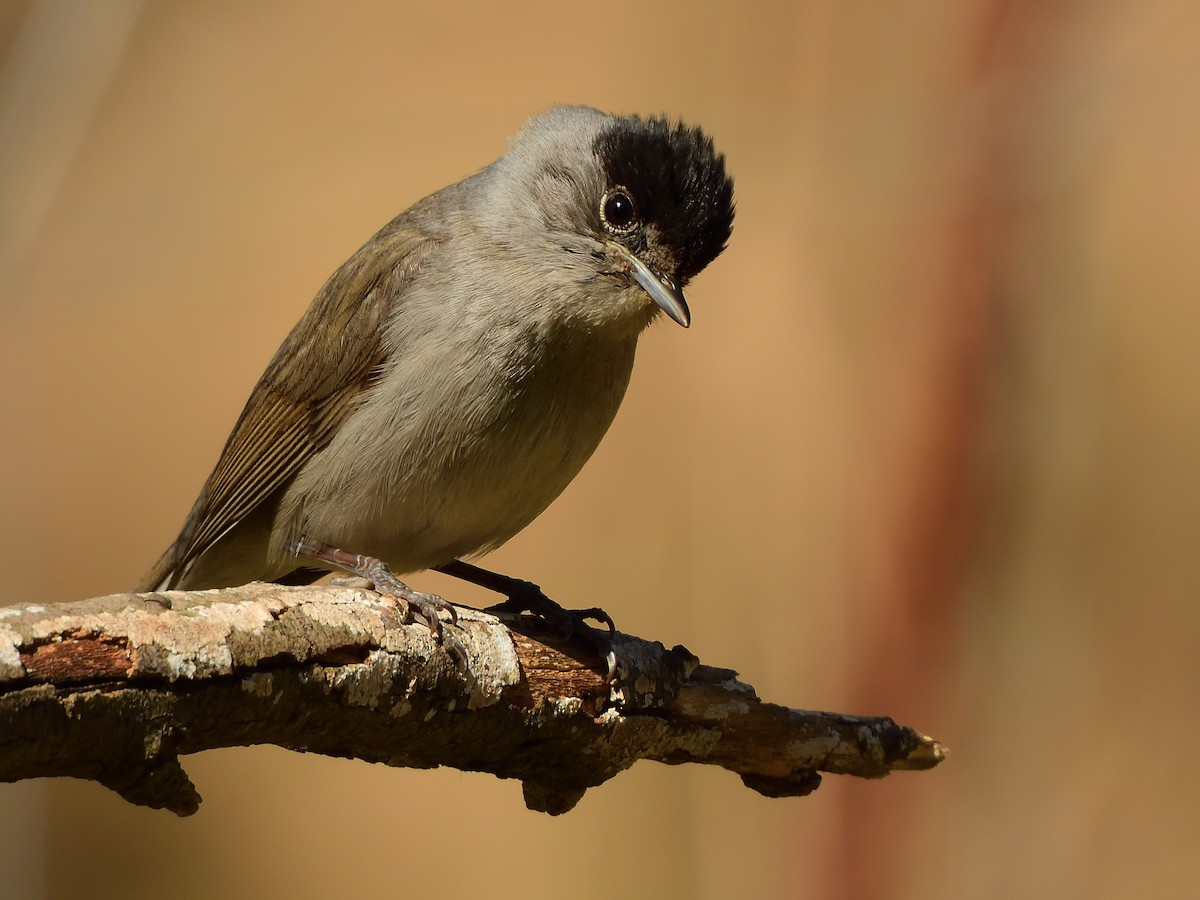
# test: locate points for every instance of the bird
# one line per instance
(453, 376)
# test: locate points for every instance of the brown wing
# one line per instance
(311, 385)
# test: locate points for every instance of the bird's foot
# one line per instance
(418, 605)
(528, 597)
(525, 596)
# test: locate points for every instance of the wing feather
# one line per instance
(314, 381)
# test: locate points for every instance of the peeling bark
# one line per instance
(115, 689)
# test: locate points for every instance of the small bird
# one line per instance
(453, 376)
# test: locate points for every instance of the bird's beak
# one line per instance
(662, 290)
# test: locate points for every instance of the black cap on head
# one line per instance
(678, 182)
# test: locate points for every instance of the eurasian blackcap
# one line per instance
(453, 376)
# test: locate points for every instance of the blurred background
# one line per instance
(937, 420)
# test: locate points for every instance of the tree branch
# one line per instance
(116, 688)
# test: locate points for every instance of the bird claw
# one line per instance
(567, 623)
(418, 606)
(424, 608)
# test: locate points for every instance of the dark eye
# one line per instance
(617, 211)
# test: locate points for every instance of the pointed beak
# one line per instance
(662, 290)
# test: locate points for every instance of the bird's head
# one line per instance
(628, 210)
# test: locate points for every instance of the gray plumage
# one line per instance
(454, 375)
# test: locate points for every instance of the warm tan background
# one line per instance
(935, 429)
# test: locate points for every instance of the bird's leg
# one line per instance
(376, 571)
(525, 596)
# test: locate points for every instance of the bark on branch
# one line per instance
(115, 689)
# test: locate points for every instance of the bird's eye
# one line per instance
(618, 212)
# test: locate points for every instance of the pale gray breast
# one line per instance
(479, 423)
